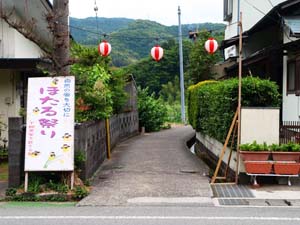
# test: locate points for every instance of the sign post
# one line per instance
(50, 125)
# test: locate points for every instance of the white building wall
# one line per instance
(9, 97)
(25, 48)
(15, 45)
(232, 27)
(250, 15)
(290, 102)
(7, 41)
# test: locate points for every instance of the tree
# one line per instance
(61, 39)
(170, 92)
(200, 61)
(152, 111)
(153, 75)
(99, 91)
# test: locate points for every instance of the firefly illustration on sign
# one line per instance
(36, 111)
(67, 137)
(34, 154)
(65, 148)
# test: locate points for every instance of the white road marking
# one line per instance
(148, 218)
(184, 200)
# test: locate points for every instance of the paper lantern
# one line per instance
(157, 53)
(104, 48)
(211, 45)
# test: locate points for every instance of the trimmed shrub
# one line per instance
(193, 99)
(212, 105)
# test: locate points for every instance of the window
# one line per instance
(228, 8)
(293, 77)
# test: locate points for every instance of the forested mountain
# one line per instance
(131, 40)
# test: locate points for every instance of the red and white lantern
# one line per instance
(104, 48)
(157, 53)
(211, 45)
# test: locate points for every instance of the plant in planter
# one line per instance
(254, 151)
(285, 152)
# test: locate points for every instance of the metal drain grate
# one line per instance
(231, 191)
(233, 201)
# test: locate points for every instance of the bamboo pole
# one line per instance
(239, 99)
(224, 148)
(107, 127)
(231, 149)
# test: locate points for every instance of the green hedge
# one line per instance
(193, 112)
(211, 105)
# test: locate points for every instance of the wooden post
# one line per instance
(26, 182)
(107, 127)
(239, 100)
(72, 180)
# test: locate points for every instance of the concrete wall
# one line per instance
(250, 15)
(215, 147)
(9, 97)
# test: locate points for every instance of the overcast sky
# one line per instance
(162, 11)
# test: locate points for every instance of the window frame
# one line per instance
(296, 89)
(227, 10)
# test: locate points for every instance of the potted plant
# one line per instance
(254, 151)
(286, 152)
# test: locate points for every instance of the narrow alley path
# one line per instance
(156, 169)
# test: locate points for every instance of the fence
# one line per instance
(289, 132)
(90, 140)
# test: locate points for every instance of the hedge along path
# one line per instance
(192, 101)
(215, 103)
(212, 105)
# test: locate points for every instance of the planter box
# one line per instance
(286, 168)
(255, 155)
(286, 156)
(258, 167)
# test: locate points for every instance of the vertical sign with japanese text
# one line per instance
(50, 124)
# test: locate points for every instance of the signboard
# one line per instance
(50, 124)
(260, 125)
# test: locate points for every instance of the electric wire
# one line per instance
(114, 35)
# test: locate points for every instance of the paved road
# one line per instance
(155, 168)
(148, 215)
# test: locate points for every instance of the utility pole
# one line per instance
(61, 37)
(183, 119)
